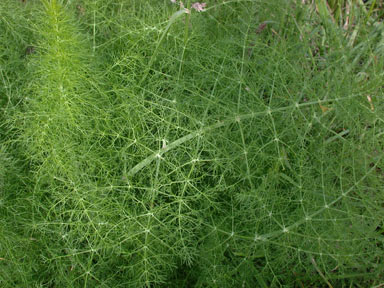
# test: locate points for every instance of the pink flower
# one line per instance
(199, 6)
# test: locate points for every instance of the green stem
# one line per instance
(174, 17)
(187, 21)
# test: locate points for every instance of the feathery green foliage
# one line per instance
(142, 146)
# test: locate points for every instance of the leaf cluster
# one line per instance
(145, 147)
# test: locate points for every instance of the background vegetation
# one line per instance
(143, 146)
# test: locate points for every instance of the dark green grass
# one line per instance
(142, 146)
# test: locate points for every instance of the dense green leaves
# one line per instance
(240, 146)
